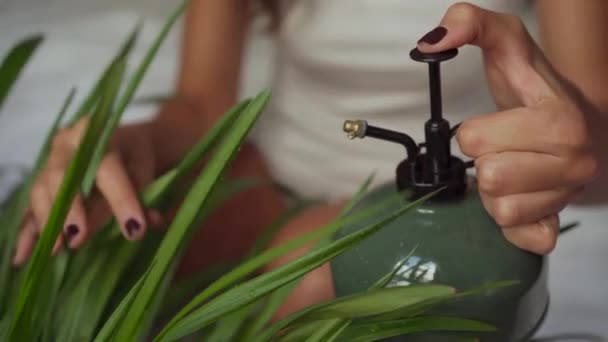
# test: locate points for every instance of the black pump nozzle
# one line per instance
(437, 129)
(436, 168)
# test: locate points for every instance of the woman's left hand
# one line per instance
(534, 155)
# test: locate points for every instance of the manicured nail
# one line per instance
(132, 226)
(71, 231)
(435, 36)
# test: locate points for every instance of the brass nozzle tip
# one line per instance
(355, 128)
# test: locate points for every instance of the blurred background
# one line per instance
(81, 36)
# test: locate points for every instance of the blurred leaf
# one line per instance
(276, 298)
(13, 64)
(334, 327)
(128, 95)
(227, 328)
(369, 303)
(260, 286)
(90, 101)
(185, 289)
(141, 309)
(11, 219)
(427, 305)
(23, 325)
(253, 264)
(362, 332)
(96, 286)
(47, 307)
(111, 324)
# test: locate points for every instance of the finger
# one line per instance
(98, 213)
(504, 41)
(551, 129)
(75, 228)
(58, 245)
(115, 185)
(140, 169)
(40, 201)
(155, 219)
(508, 173)
(518, 209)
(539, 237)
(26, 241)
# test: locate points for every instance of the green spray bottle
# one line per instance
(455, 241)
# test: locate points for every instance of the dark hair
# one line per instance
(271, 7)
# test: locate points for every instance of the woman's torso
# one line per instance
(346, 59)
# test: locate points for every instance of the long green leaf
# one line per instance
(127, 97)
(70, 324)
(11, 221)
(185, 289)
(369, 303)
(179, 230)
(427, 305)
(47, 307)
(21, 327)
(333, 328)
(275, 299)
(227, 328)
(109, 328)
(249, 266)
(372, 302)
(92, 98)
(372, 332)
(262, 285)
(13, 64)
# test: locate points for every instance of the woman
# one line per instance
(345, 58)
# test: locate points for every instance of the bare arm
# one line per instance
(574, 37)
(209, 76)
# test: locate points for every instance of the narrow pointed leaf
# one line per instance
(260, 286)
(11, 220)
(21, 327)
(372, 302)
(92, 98)
(13, 64)
(334, 327)
(107, 331)
(277, 298)
(128, 95)
(376, 331)
(253, 264)
(140, 310)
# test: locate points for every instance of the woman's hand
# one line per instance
(127, 166)
(534, 155)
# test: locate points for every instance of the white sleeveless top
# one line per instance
(349, 59)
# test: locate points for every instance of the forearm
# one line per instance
(208, 80)
(573, 37)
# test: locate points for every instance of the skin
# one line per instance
(525, 178)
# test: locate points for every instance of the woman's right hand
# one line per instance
(128, 165)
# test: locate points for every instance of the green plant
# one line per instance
(113, 290)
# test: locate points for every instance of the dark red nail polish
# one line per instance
(71, 231)
(132, 226)
(435, 36)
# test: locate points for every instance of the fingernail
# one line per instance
(71, 231)
(132, 226)
(435, 36)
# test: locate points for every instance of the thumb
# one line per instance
(466, 24)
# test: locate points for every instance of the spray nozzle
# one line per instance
(435, 168)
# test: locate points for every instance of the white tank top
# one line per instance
(349, 59)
